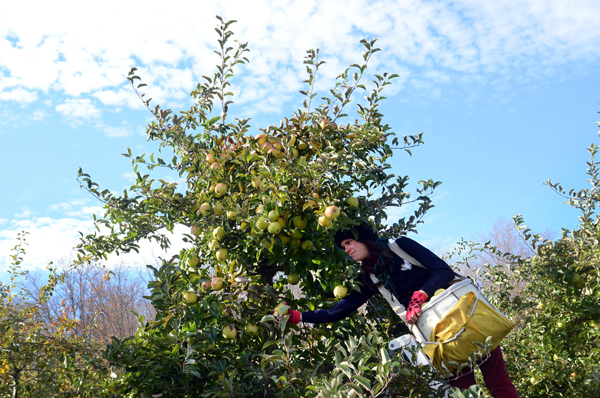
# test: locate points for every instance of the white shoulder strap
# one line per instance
(404, 255)
(389, 297)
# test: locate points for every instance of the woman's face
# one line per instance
(357, 250)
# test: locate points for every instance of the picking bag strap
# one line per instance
(389, 297)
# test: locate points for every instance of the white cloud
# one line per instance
(18, 95)
(114, 132)
(88, 50)
(76, 111)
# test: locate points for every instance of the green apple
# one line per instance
(219, 233)
(279, 307)
(307, 245)
(272, 215)
(274, 151)
(293, 279)
(296, 243)
(262, 224)
(229, 332)
(190, 297)
(192, 260)
(214, 245)
(578, 280)
(302, 145)
(256, 182)
(195, 230)
(352, 202)
(204, 208)
(439, 291)
(220, 189)
(560, 325)
(295, 153)
(299, 222)
(296, 234)
(340, 292)
(251, 329)
(216, 166)
(260, 209)
(216, 284)
(222, 254)
(261, 138)
(232, 214)
(332, 212)
(542, 305)
(325, 222)
(218, 209)
(274, 228)
(266, 146)
(284, 238)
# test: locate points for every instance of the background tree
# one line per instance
(259, 207)
(42, 357)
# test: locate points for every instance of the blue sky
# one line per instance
(506, 93)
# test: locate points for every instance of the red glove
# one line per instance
(414, 307)
(294, 318)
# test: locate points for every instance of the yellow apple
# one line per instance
(439, 291)
(261, 138)
(274, 228)
(218, 209)
(204, 208)
(325, 222)
(220, 189)
(206, 286)
(340, 292)
(256, 182)
(229, 332)
(190, 297)
(219, 233)
(273, 215)
(279, 308)
(192, 260)
(332, 212)
(216, 284)
(232, 214)
(210, 158)
(284, 238)
(296, 234)
(299, 222)
(307, 245)
(216, 166)
(262, 224)
(222, 254)
(195, 230)
(352, 202)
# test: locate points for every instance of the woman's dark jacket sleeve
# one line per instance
(341, 309)
(440, 273)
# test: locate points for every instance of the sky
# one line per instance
(505, 92)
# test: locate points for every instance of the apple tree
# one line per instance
(554, 351)
(259, 205)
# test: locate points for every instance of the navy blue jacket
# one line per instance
(436, 275)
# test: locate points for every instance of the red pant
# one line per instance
(495, 376)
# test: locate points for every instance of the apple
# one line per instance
(296, 234)
(192, 260)
(439, 291)
(279, 307)
(229, 332)
(244, 225)
(251, 329)
(315, 195)
(216, 166)
(340, 292)
(332, 212)
(560, 325)
(262, 224)
(296, 243)
(260, 209)
(299, 222)
(352, 202)
(269, 243)
(216, 284)
(261, 138)
(307, 245)
(219, 233)
(281, 221)
(292, 141)
(272, 215)
(295, 153)
(293, 279)
(542, 305)
(325, 222)
(220, 189)
(284, 238)
(266, 146)
(218, 209)
(206, 286)
(256, 182)
(214, 245)
(302, 145)
(204, 208)
(232, 214)
(210, 158)
(195, 230)
(274, 228)
(273, 151)
(578, 280)
(190, 297)
(222, 254)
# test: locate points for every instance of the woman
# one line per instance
(411, 285)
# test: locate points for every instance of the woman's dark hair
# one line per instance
(377, 249)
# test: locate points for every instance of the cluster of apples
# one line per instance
(216, 284)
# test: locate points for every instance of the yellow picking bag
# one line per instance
(468, 321)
